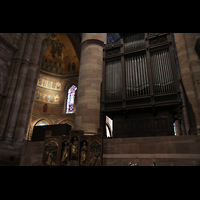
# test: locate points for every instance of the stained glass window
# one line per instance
(70, 99)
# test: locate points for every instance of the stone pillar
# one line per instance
(27, 97)
(10, 95)
(16, 101)
(190, 73)
(87, 116)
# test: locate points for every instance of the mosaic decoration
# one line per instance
(70, 99)
(56, 46)
(52, 85)
(58, 68)
(46, 97)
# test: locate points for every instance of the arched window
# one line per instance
(71, 99)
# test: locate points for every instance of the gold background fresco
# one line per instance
(60, 51)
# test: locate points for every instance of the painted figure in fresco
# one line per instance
(49, 66)
(54, 67)
(58, 86)
(37, 96)
(59, 48)
(54, 85)
(74, 149)
(43, 97)
(59, 68)
(56, 98)
(83, 153)
(52, 98)
(44, 66)
(73, 67)
(44, 82)
(46, 98)
(49, 84)
(40, 81)
(56, 47)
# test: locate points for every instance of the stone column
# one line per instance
(87, 116)
(190, 71)
(27, 96)
(10, 95)
(16, 101)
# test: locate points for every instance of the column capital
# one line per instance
(92, 41)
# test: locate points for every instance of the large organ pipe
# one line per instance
(156, 72)
(161, 72)
(136, 76)
(141, 69)
(168, 71)
(146, 73)
(164, 71)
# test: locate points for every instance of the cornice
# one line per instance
(75, 74)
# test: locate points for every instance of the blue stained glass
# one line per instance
(70, 99)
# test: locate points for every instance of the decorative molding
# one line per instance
(92, 41)
(125, 156)
(72, 74)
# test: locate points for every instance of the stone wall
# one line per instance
(166, 150)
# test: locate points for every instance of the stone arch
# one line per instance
(35, 121)
(69, 121)
(42, 118)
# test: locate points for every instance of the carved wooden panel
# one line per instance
(158, 39)
(75, 149)
(141, 125)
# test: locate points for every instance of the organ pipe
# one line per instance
(136, 76)
(113, 80)
(162, 71)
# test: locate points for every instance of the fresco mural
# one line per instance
(46, 83)
(57, 68)
(56, 46)
(42, 123)
(46, 97)
(60, 56)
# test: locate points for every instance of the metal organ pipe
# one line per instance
(136, 76)
(162, 71)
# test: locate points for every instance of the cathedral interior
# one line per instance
(99, 99)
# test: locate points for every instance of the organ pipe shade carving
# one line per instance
(137, 82)
(134, 42)
(113, 80)
(163, 80)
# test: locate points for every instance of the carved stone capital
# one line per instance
(92, 41)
